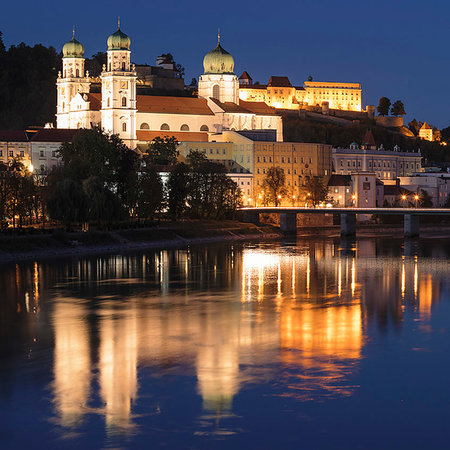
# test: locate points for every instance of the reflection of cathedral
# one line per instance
(137, 118)
(225, 316)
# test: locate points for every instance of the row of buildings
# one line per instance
(232, 121)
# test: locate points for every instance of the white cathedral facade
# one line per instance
(137, 118)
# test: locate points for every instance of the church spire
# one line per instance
(218, 36)
(118, 22)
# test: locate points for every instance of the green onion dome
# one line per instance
(218, 61)
(119, 41)
(73, 49)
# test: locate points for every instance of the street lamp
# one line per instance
(416, 198)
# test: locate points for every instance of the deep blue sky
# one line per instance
(398, 49)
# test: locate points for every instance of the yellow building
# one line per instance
(279, 93)
(299, 162)
(426, 132)
(14, 145)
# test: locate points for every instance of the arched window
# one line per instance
(144, 126)
(107, 103)
(204, 128)
(123, 66)
(110, 67)
(216, 91)
(124, 101)
(165, 127)
(124, 127)
(78, 73)
(184, 127)
(64, 106)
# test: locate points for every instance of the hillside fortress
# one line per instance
(137, 118)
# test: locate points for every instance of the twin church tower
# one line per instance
(118, 89)
(116, 108)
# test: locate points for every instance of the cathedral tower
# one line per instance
(119, 89)
(218, 80)
(71, 81)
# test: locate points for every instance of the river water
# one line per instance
(314, 343)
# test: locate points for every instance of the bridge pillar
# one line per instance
(411, 225)
(288, 223)
(348, 224)
(251, 217)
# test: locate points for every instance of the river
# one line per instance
(316, 343)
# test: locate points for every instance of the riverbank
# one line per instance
(65, 244)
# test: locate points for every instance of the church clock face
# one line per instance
(124, 85)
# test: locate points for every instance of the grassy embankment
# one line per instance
(187, 231)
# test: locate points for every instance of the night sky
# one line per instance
(397, 49)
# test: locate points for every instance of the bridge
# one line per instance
(288, 216)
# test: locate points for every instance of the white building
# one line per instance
(385, 164)
(140, 118)
(437, 185)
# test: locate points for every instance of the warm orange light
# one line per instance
(279, 196)
(416, 197)
(403, 197)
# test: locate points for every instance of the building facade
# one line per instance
(386, 164)
(139, 118)
(279, 93)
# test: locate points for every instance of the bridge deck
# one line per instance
(298, 210)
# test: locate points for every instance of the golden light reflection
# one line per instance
(227, 344)
(425, 295)
(72, 363)
(403, 280)
(416, 277)
(353, 276)
(118, 356)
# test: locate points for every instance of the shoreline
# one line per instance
(222, 235)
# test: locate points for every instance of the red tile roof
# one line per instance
(54, 135)
(245, 76)
(173, 105)
(368, 138)
(13, 136)
(181, 136)
(259, 108)
(95, 101)
(279, 82)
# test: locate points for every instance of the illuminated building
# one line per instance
(426, 132)
(120, 109)
(386, 164)
(279, 93)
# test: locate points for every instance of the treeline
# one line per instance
(102, 182)
(298, 130)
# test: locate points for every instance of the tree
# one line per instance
(398, 109)
(103, 205)
(93, 152)
(162, 151)
(273, 185)
(194, 82)
(415, 126)
(211, 193)
(150, 195)
(317, 191)
(383, 106)
(178, 190)
(425, 199)
(68, 203)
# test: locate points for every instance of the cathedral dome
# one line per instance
(119, 41)
(73, 49)
(218, 61)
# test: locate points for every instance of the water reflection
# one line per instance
(228, 316)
